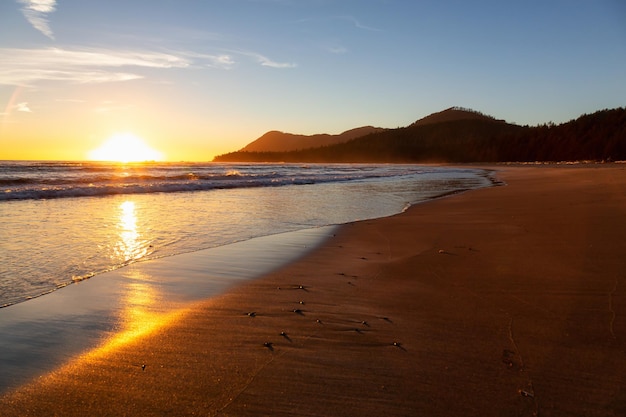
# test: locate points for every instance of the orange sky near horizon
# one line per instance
(66, 138)
(69, 129)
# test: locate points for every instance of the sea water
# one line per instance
(63, 222)
(140, 241)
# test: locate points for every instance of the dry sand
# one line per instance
(509, 301)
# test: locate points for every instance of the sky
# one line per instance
(198, 78)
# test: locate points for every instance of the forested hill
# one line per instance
(275, 141)
(454, 114)
(462, 135)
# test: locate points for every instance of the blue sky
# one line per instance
(199, 78)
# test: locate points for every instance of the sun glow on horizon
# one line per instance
(125, 147)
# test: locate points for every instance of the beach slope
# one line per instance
(507, 301)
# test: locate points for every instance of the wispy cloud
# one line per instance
(36, 12)
(267, 62)
(23, 107)
(27, 66)
(223, 61)
(89, 65)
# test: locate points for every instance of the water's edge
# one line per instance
(42, 333)
(486, 173)
(45, 332)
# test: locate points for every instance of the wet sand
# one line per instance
(508, 301)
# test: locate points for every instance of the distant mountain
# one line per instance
(275, 141)
(463, 135)
(454, 114)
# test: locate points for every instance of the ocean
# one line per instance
(91, 250)
(63, 222)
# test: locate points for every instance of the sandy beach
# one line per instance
(506, 301)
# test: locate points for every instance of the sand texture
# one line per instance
(508, 301)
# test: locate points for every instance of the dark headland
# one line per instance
(455, 135)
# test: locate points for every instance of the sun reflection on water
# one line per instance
(130, 247)
(142, 308)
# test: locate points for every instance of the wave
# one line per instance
(93, 190)
(67, 180)
(126, 178)
(39, 190)
(104, 190)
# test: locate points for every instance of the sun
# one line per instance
(125, 147)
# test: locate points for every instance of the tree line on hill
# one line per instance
(463, 136)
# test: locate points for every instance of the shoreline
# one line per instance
(42, 333)
(500, 301)
(216, 218)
